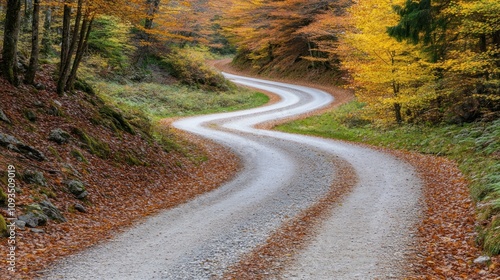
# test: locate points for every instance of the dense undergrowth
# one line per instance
(475, 146)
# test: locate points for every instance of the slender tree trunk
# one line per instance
(35, 46)
(495, 40)
(27, 19)
(71, 44)
(397, 106)
(152, 8)
(397, 111)
(64, 48)
(395, 90)
(482, 43)
(46, 40)
(65, 36)
(10, 39)
(82, 45)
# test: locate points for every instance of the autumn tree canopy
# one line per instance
(424, 60)
(281, 34)
(408, 60)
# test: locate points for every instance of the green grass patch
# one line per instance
(163, 101)
(475, 147)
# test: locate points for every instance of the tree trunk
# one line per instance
(11, 36)
(70, 44)
(152, 9)
(64, 48)
(27, 19)
(35, 47)
(46, 40)
(152, 6)
(397, 112)
(311, 53)
(483, 47)
(65, 36)
(82, 45)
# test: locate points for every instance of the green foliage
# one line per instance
(491, 235)
(422, 22)
(79, 156)
(167, 140)
(129, 158)
(84, 86)
(30, 115)
(55, 153)
(110, 38)
(118, 122)
(48, 192)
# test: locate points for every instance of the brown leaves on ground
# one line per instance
(120, 194)
(447, 231)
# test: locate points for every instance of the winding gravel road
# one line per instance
(365, 237)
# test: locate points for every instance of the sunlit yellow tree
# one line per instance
(389, 76)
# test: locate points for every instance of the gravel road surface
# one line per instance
(365, 237)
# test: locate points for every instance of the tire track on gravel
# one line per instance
(282, 176)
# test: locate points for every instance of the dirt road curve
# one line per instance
(364, 237)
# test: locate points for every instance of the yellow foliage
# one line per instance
(385, 72)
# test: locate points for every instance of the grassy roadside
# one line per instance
(177, 85)
(475, 147)
(147, 103)
(164, 101)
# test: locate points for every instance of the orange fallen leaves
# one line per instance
(118, 196)
(446, 233)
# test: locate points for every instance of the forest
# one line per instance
(427, 61)
(427, 69)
